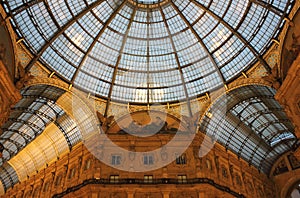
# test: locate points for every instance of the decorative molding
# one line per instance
(248, 81)
(48, 81)
(9, 95)
(164, 181)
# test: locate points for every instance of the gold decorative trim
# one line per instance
(148, 6)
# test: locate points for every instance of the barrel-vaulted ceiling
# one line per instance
(32, 118)
(252, 124)
(148, 51)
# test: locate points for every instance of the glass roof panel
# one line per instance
(260, 140)
(191, 11)
(92, 44)
(61, 11)
(91, 24)
(205, 25)
(30, 117)
(148, 1)
(235, 12)
(8, 176)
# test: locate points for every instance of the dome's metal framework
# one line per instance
(148, 51)
(151, 51)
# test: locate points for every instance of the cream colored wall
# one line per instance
(45, 149)
(253, 183)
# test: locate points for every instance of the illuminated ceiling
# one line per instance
(148, 51)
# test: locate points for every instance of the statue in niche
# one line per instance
(224, 172)
(244, 177)
(217, 162)
(273, 77)
(87, 164)
(24, 77)
(208, 164)
(46, 186)
(79, 162)
(201, 162)
(238, 179)
(53, 175)
(231, 170)
(105, 122)
(249, 186)
(66, 169)
(58, 180)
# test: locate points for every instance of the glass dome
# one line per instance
(148, 51)
(148, 1)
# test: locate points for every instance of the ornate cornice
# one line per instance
(141, 182)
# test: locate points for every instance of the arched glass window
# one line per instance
(252, 124)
